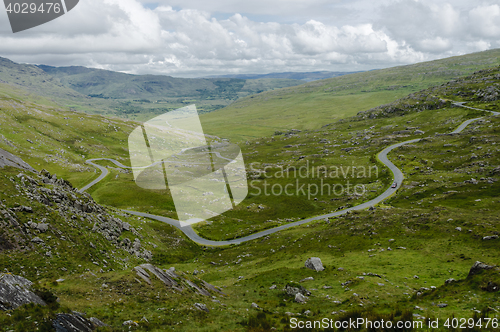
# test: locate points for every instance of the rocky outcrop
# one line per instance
(8, 159)
(201, 306)
(73, 207)
(478, 267)
(491, 93)
(16, 291)
(72, 323)
(299, 298)
(173, 280)
(314, 263)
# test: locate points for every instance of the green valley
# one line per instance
(430, 251)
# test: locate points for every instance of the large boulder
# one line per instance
(16, 291)
(314, 263)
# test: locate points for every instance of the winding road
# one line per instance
(191, 234)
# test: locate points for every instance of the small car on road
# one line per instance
(394, 185)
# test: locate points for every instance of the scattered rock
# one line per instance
(299, 298)
(255, 306)
(36, 240)
(449, 281)
(442, 305)
(130, 323)
(43, 227)
(293, 290)
(307, 279)
(201, 306)
(314, 263)
(491, 237)
(273, 287)
(97, 322)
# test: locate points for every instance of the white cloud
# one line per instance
(485, 21)
(434, 45)
(307, 36)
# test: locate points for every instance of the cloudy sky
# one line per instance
(195, 38)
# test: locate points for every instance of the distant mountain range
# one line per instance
(302, 76)
(138, 97)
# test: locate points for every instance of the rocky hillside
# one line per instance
(50, 232)
(482, 87)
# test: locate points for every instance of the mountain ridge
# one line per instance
(303, 76)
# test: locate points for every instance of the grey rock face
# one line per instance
(292, 290)
(314, 263)
(307, 279)
(143, 274)
(36, 240)
(201, 306)
(97, 322)
(167, 277)
(43, 227)
(173, 280)
(478, 267)
(72, 323)
(299, 298)
(15, 291)
(8, 159)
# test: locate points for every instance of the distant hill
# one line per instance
(303, 76)
(34, 80)
(314, 104)
(140, 96)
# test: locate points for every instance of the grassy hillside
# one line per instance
(317, 103)
(407, 259)
(51, 137)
